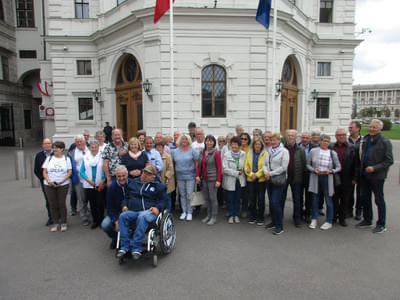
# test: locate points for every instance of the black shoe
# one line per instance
(307, 219)
(297, 223)
(113, 244)
(49, 222)
(252, 221)
(94, 226)
(343, 223)
(270, 226)
(120, 254)
(379, 229)
(278, 231)
(321, 212)
(136, 255)
(364, 224)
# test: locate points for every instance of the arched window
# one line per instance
(213, 91)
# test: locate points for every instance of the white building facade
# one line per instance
(223, 66)
(381, 97)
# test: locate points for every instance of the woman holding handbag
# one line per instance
(322, 163)
(275, 167)
(233, 180)
(209, 174)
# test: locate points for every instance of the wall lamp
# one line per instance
(314, 94)
(96, 95)
(147, 87)
(278, 88)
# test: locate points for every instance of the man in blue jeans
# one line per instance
(115, 195)
(376, 156)
(144, 199)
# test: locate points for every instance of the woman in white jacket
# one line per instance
(275, 170)
(233, 179)
(92, 172)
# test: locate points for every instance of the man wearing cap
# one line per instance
(144, 199)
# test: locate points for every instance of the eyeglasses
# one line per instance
(244, 139)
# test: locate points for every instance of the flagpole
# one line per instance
(273, 66)
(171, 51)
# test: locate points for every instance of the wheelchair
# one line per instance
(160, 238)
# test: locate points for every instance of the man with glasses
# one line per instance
(145, 198)
(198, 144)
(347, 157)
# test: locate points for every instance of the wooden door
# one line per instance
(289, 97)
(129, 97)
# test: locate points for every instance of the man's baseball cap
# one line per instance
(150, 169)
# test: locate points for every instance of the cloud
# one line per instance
(376, 56)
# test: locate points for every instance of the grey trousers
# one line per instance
(82, 201)
(210, 196)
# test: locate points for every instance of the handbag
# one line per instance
(277, 180)
(197, 198)
(336, 176)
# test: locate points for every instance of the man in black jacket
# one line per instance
(39, 160)
(347, 156)
(295, 172)
(376, 156)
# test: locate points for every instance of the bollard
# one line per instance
(19, 165)
(34, 179)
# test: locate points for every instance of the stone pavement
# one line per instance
(219, 262)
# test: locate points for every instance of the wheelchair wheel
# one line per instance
(167, 234)
(155, 260)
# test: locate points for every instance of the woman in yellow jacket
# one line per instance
(256, 181)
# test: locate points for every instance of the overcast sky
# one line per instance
(377, 57)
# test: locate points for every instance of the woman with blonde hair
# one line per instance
(135, 159)
(256, 181)
(185, 158)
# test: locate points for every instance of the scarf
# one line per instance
(91, 161)
(133, 155)
(277, 150)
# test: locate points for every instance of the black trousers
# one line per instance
(341, 200)
(97, 203)
(307, 195)
(256, 200)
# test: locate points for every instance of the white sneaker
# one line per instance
(230, 220)
(313, 224)
(326, 226)
(237, 220)
(183, 216)
(189, 217)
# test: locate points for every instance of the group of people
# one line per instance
(137, 179)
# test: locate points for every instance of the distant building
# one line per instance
(379, 96)
(223, 66)
(21, 49)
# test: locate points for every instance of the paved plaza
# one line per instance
(238, 261)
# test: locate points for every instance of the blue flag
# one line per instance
(263, 12)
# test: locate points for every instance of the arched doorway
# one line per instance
(128, 91)
(289, 96)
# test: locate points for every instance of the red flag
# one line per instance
(162, 6)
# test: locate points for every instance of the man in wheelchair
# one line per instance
(145, 198)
